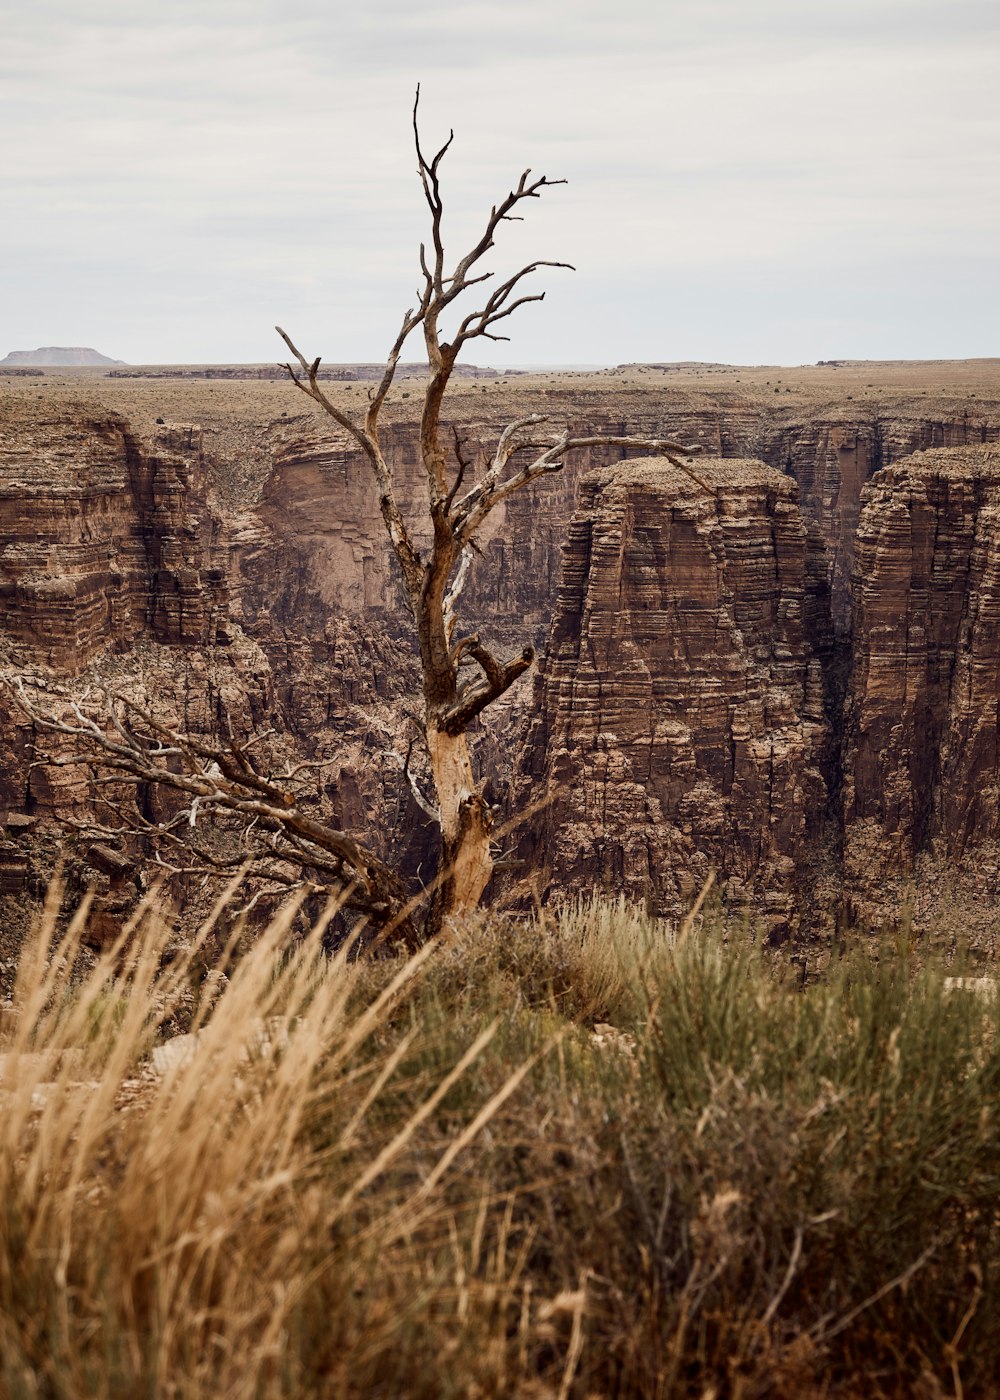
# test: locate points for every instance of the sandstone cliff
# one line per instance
(681, 723)
(104, 539)
(693, 712)
(121, 567)
(922, 722)
(232, 573)
(832, 453)
(319, 499)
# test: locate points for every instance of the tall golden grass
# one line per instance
(427, 1176)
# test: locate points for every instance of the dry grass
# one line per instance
(428, 1177)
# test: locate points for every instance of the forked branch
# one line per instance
(216, 780)
(473, 508)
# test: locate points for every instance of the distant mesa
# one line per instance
(52, 356)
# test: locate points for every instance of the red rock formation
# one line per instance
(104, 540)
(680, 712)
(922, 722)
(833, 453)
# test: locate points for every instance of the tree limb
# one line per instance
(476, 505)
(498, 677)
(215, 782)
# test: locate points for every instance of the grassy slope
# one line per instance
(432, 1178)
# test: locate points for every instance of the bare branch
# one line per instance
(462, 646)
(464, 462)
(476, 505)
(498, 214)
(507, 445)
(478, 323)
(427, 807)
(498, 678)
(432, 193)
(411, 321)
(223, 785)
(367, 440)
(455, 591)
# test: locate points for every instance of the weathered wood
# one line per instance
(433, 586)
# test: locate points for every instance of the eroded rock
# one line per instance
(681, 723)
(922, 723)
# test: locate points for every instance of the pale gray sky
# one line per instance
(749, 180)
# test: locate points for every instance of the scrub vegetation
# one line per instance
(578, 1156)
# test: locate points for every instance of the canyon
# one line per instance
(699, 714)
(788, 677)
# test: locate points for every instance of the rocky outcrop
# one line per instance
(693, 712)
(922, 721)
(104, 539)
(833, 454)
(681, 722)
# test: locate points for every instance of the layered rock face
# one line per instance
(922, 722)
(680, 717)
(119, 567)
(105, 540)
(833, 454)
(319, 501)
(692, 717)
(692, 712)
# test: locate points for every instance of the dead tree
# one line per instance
(271, 829)
(280, 835)
(433, 585)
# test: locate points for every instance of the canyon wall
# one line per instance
(831, 451)
(693, 712)
(120, 568)
(921, 762)
(680, 719)
(319, 499)
(833, 454)
(235, 577)
(104, 541)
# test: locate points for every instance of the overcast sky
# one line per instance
(753, 181)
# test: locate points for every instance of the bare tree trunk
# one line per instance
(434, 580)
(466, 861)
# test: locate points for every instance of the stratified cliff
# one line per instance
(693, 713)
(120, 567)
(680, 722)
(319, 500)
(921, 784)
(103, 539)
(834, 451)
(235, 575)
